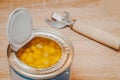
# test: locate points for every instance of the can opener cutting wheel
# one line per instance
(93, 33)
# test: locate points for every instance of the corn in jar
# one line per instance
(40, 52)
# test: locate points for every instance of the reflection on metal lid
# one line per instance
(19, 28)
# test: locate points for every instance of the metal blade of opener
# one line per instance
(64, 19)
(55, 24)
(58, 21)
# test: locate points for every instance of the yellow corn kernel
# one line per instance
(40, 66)
(30, 54)
(46, 48)
(37, 62)
(24, 56)
(37, 52)
(33, 48)
(45, 62)
(29, 59)
(52, 50)
(39, 46)
(46, 54)
(27, 50)
(35, 56)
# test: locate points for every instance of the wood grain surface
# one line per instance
(92, 60)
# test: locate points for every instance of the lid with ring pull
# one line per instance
(19, 28)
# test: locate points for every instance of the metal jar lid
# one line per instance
(19, 28)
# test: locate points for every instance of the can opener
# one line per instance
(91, 32)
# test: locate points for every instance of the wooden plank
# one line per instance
(92, 60)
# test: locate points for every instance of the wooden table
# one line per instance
(92, 60)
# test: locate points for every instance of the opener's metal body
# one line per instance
(59, 22)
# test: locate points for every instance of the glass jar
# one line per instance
(18, 68)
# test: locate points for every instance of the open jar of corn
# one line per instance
(37, 54)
